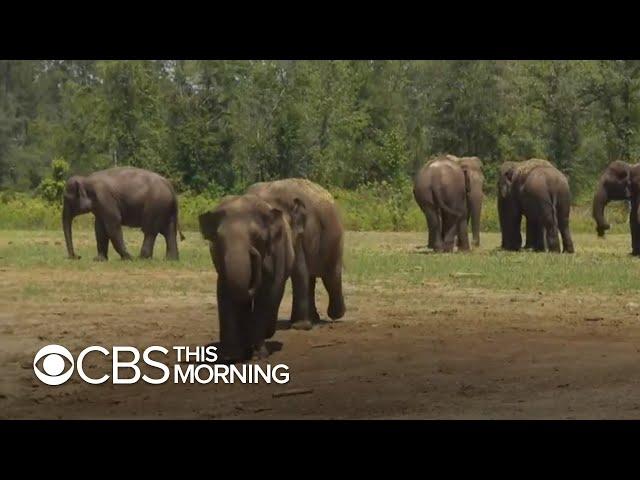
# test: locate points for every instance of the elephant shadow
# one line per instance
(430, 251)
(272, 347)
(285, 324)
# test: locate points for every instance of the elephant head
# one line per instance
(78, 199)
(252, 248)
(508, 210)
(474, 181)
(505, 180)
(613, 185)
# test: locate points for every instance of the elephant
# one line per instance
(252, 247)
(511, 239)
(119, 196)
(440, 191)
(472, 166)
(634, 211)
(539, 191)
(318, 254)
(613, 185)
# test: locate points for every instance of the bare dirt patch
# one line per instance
(430, 349)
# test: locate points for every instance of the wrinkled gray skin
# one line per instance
(472, 166)
(118, 197)
(318, 254)
(440, 191)
(252, 248)
(612, 185)
(542, 195)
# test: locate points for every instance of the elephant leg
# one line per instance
(114, 230)
(634, 228)
(540, 243)
(463, 234)
(102, 241)
(333, 284)
(430, 238)
(147, 245)
(553, 243)
(257, 329)
(268, 325)
(635, 239)
(513, 227)
(531, 234)
(535, 236)
(565, 233)
(233, 318)
(434, 225)
(300, 318)
(274, 306)
(171, 238)
(450, 226)
(567, 241)
(551, 228)
(313, 310)
(474, 215)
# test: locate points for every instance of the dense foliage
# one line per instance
(216, 126)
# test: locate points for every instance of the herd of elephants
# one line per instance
(291, 228)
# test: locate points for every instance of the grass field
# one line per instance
(599, 265)
(485, 334)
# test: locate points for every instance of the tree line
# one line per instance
(218, 126)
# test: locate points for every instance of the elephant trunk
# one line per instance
(243, 273)
(67, 220)
(600, 200)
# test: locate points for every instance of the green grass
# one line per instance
(363, 210)
(395, 260)
(604, 266)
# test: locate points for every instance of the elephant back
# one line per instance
(526, 167)
(521, 170)
(468, 163)
(290, 187)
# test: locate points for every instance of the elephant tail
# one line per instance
(178, 227)
(437, 200)
(182, 237)
(177, 217)
(553, 202)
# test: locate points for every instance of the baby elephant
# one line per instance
(252, 248)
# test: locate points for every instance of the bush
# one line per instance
(52, 188)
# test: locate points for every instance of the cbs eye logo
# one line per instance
(53, 365)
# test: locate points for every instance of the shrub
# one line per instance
(52, 188)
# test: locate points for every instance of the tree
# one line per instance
(132, 113)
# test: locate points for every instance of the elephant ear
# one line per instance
(74, 188)
(276, 227)
(506, 181)
(209, 223)
(298, 216)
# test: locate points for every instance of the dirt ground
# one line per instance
(423, 351)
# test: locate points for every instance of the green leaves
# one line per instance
(218, 126)
(52, 188)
